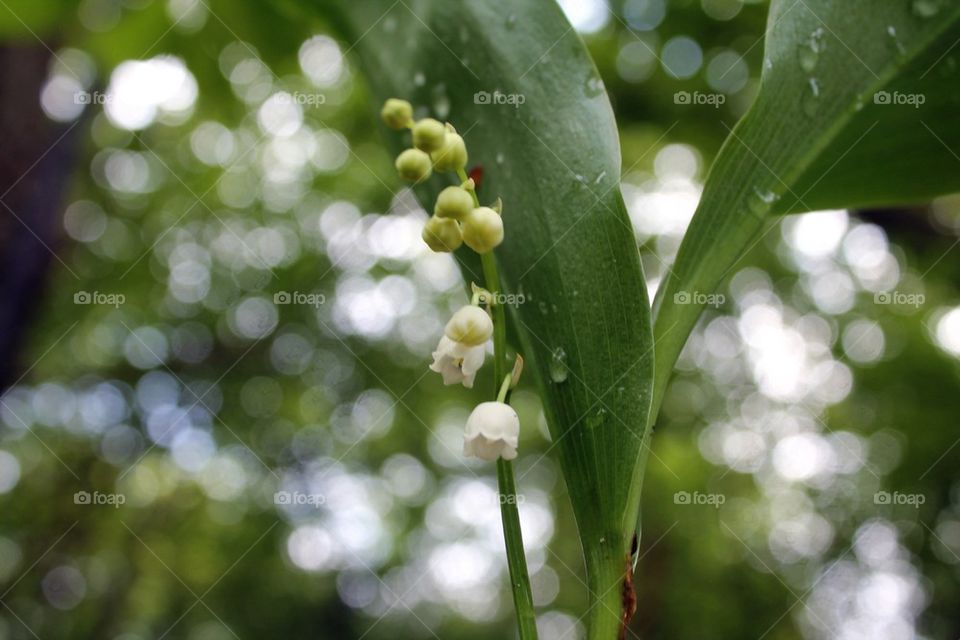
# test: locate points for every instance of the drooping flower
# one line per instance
(470, 325)
(457, 362)
(493, 431)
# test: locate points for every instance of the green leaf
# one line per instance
(857, 106)
(516, 80)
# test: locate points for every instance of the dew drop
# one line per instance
(594, 86)
(760, 200)
(811, 99)
(809, 51)
(597, 419)
(419, 79)
(441, 101)
(500, 157)
(511, 21)
(542, 306)
(926, 8)
(892, 32)
(558, 365)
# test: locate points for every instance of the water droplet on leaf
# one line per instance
(926, 8)
(558, 365)
(441, 101)
(892, 32)
(760, 200)
(597, 419)
(811, 99)
(809, 52)
(594, 86)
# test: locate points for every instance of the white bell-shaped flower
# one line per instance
(457, 362)
(493, 431)
(470, 325)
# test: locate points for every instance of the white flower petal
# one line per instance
(456, 362)
(493, 431)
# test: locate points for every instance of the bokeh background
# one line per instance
(216, 317)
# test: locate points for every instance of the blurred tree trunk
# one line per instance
(35, 162)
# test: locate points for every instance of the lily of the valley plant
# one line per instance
(492, 431)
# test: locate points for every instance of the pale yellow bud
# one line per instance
(453, 202)
(442, 234)
(470, 325)
(414, 165)
(397, 114)
(483, 229)
(429, 135)
(452, 156)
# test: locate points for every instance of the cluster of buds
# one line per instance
(493, 428)
(457, 217)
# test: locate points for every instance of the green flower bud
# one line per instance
(442, 234)
(453, 155)
(414, 165)
(453, 202)
(429, 135)
(470, 325)
(483, 229)
(397, 114)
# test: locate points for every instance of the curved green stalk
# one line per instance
(509, 513)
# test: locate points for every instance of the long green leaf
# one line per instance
(516, 80)
(857, 106)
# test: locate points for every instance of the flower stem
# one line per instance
(509, 513)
